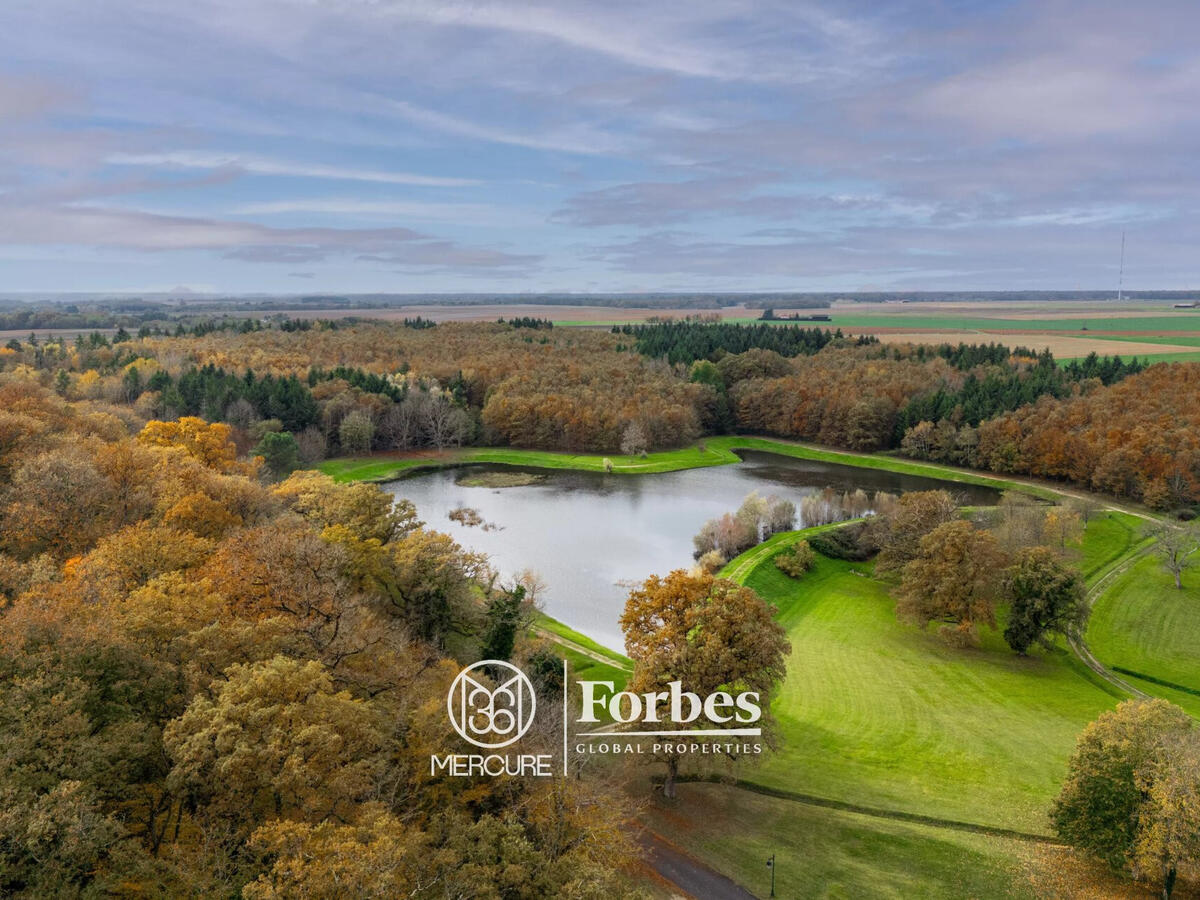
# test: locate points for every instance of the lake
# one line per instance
(590, 535)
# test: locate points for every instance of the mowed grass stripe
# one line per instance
(876, 713)
(1143, 624)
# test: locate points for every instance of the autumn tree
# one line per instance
(898, 533)
(1125, 797)
(212, 444)
(1168, 837)
(796, 559)
(1176, 546)
(1045, 597)
(366, 509)
(952, 579)
(276, 739)
(356, 432)
(708, 634)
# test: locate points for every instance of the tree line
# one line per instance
(586, 390)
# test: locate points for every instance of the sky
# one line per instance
(344, 146)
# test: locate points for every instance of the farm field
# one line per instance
(1062, 346)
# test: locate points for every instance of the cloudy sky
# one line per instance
(416, 145)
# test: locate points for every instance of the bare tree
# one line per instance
(400, 427)
(1176, 546)
(444, 423)
(241, 413)
(633, 440)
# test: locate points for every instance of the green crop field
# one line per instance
(877, 713)
(1142, 624)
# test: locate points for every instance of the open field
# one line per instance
(875, 712)
(1062, 346)
(830, 853)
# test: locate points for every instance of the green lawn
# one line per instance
(877, 713)
(583, 666)
(1142, 624)
(1108, 538)
(829, 853)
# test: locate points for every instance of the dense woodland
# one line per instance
(217, 683)
(304, 390)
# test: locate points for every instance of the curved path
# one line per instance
(579, 648)
(1076, 638)
(687, 873)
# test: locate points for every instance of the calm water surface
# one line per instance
(589, 536)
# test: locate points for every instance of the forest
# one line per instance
(302, 390)
(219, 683)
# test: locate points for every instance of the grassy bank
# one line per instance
(829, 853)
(715, 451)
(1143, 626)
(878, 713)
(587, 660)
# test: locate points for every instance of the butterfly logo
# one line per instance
(491, 717)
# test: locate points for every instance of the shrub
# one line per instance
(796, 560)
(712, 561)
(843, 543)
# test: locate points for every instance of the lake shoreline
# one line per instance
(718, 451)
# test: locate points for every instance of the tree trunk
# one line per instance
(1168, 882)
(669, 781)
(1178, 581)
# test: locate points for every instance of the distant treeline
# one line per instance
(99, 311)
(686, 342)
(1006, 389)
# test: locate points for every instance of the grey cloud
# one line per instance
(132, 229)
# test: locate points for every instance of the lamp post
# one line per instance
(771, 866)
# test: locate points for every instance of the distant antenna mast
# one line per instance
(1121, 276)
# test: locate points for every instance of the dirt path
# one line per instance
(1079, 645)
(687, 873)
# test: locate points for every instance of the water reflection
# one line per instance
(589, 535)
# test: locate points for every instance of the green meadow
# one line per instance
(822, 852)
(878, 713)
(1142, 626)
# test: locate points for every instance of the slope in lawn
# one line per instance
(1142, 624)
(878, 713)
(829, 853)
(1107, 538)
